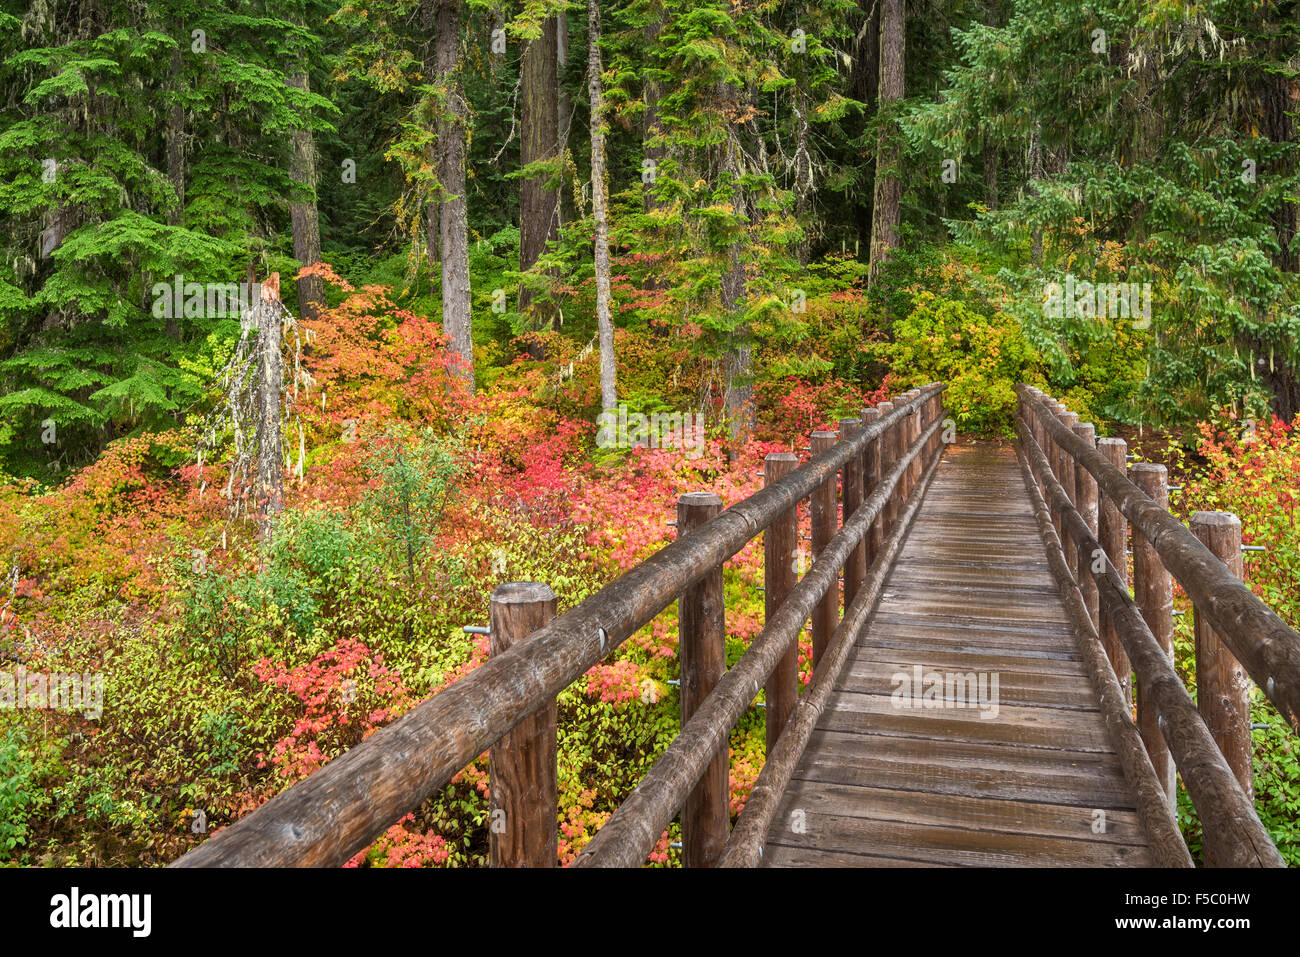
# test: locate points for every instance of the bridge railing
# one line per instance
(881, 463)
(1087, 504)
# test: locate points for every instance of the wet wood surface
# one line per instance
(1033, 781)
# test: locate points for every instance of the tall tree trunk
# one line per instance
(737, 363)
(886, 213)
(600, 212)
(738, 386)
(992, 18)
(565, 209)
(454, 225)
(302, 213)
(432, 230)
(1279, 93)
(803, 183)
(864, 78)
(176, 141)
(432, 233)
(269, 495)
(864, 82)
(539, 135)
(990, 172)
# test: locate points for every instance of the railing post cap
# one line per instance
(823, 434)
(885, 406)
(851, 423)
(1110, 441)
(1148, 468)
(522, 593)
(870, 415)
(700, 499)
(1216, 519)
(780, 457)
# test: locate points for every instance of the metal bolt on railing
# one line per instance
(1254, 548)
(674, 681)
(1258, 726)
(476, 630)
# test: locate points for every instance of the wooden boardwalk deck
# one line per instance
(884, 785)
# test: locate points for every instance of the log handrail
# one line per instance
(1234, 835)
(340, 810)
(630, 834)
(1155, 814)
(1265, 645)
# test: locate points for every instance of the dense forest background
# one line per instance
(491, 221)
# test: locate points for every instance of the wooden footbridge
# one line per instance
(976, 651)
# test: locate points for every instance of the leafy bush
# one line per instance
(1250, 470)
(982, 358)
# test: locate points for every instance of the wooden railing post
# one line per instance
(904, 440)
(1048, 445)
(1153, 592)
(1086, 489)
(824, 514)
(1222, 686)
(1044, 440)
(780, 552)
(523, 828)
(1112, 532)
(889, 455)
(855, 568)
(1066, 477)
(936, 412)
(913, 433)
(1027, 415)
(875, 536)
(1035, 423)
(702, 655)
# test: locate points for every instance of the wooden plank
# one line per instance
(1047, 691)
(956, 845)
(971, 609)
(954, 659)
(973, 769)
(955, 623)
(779, 855)
(972, 647)
(1034, 727)
(999, 638)
(1047, 783)
(905, 581)
(981, 814)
